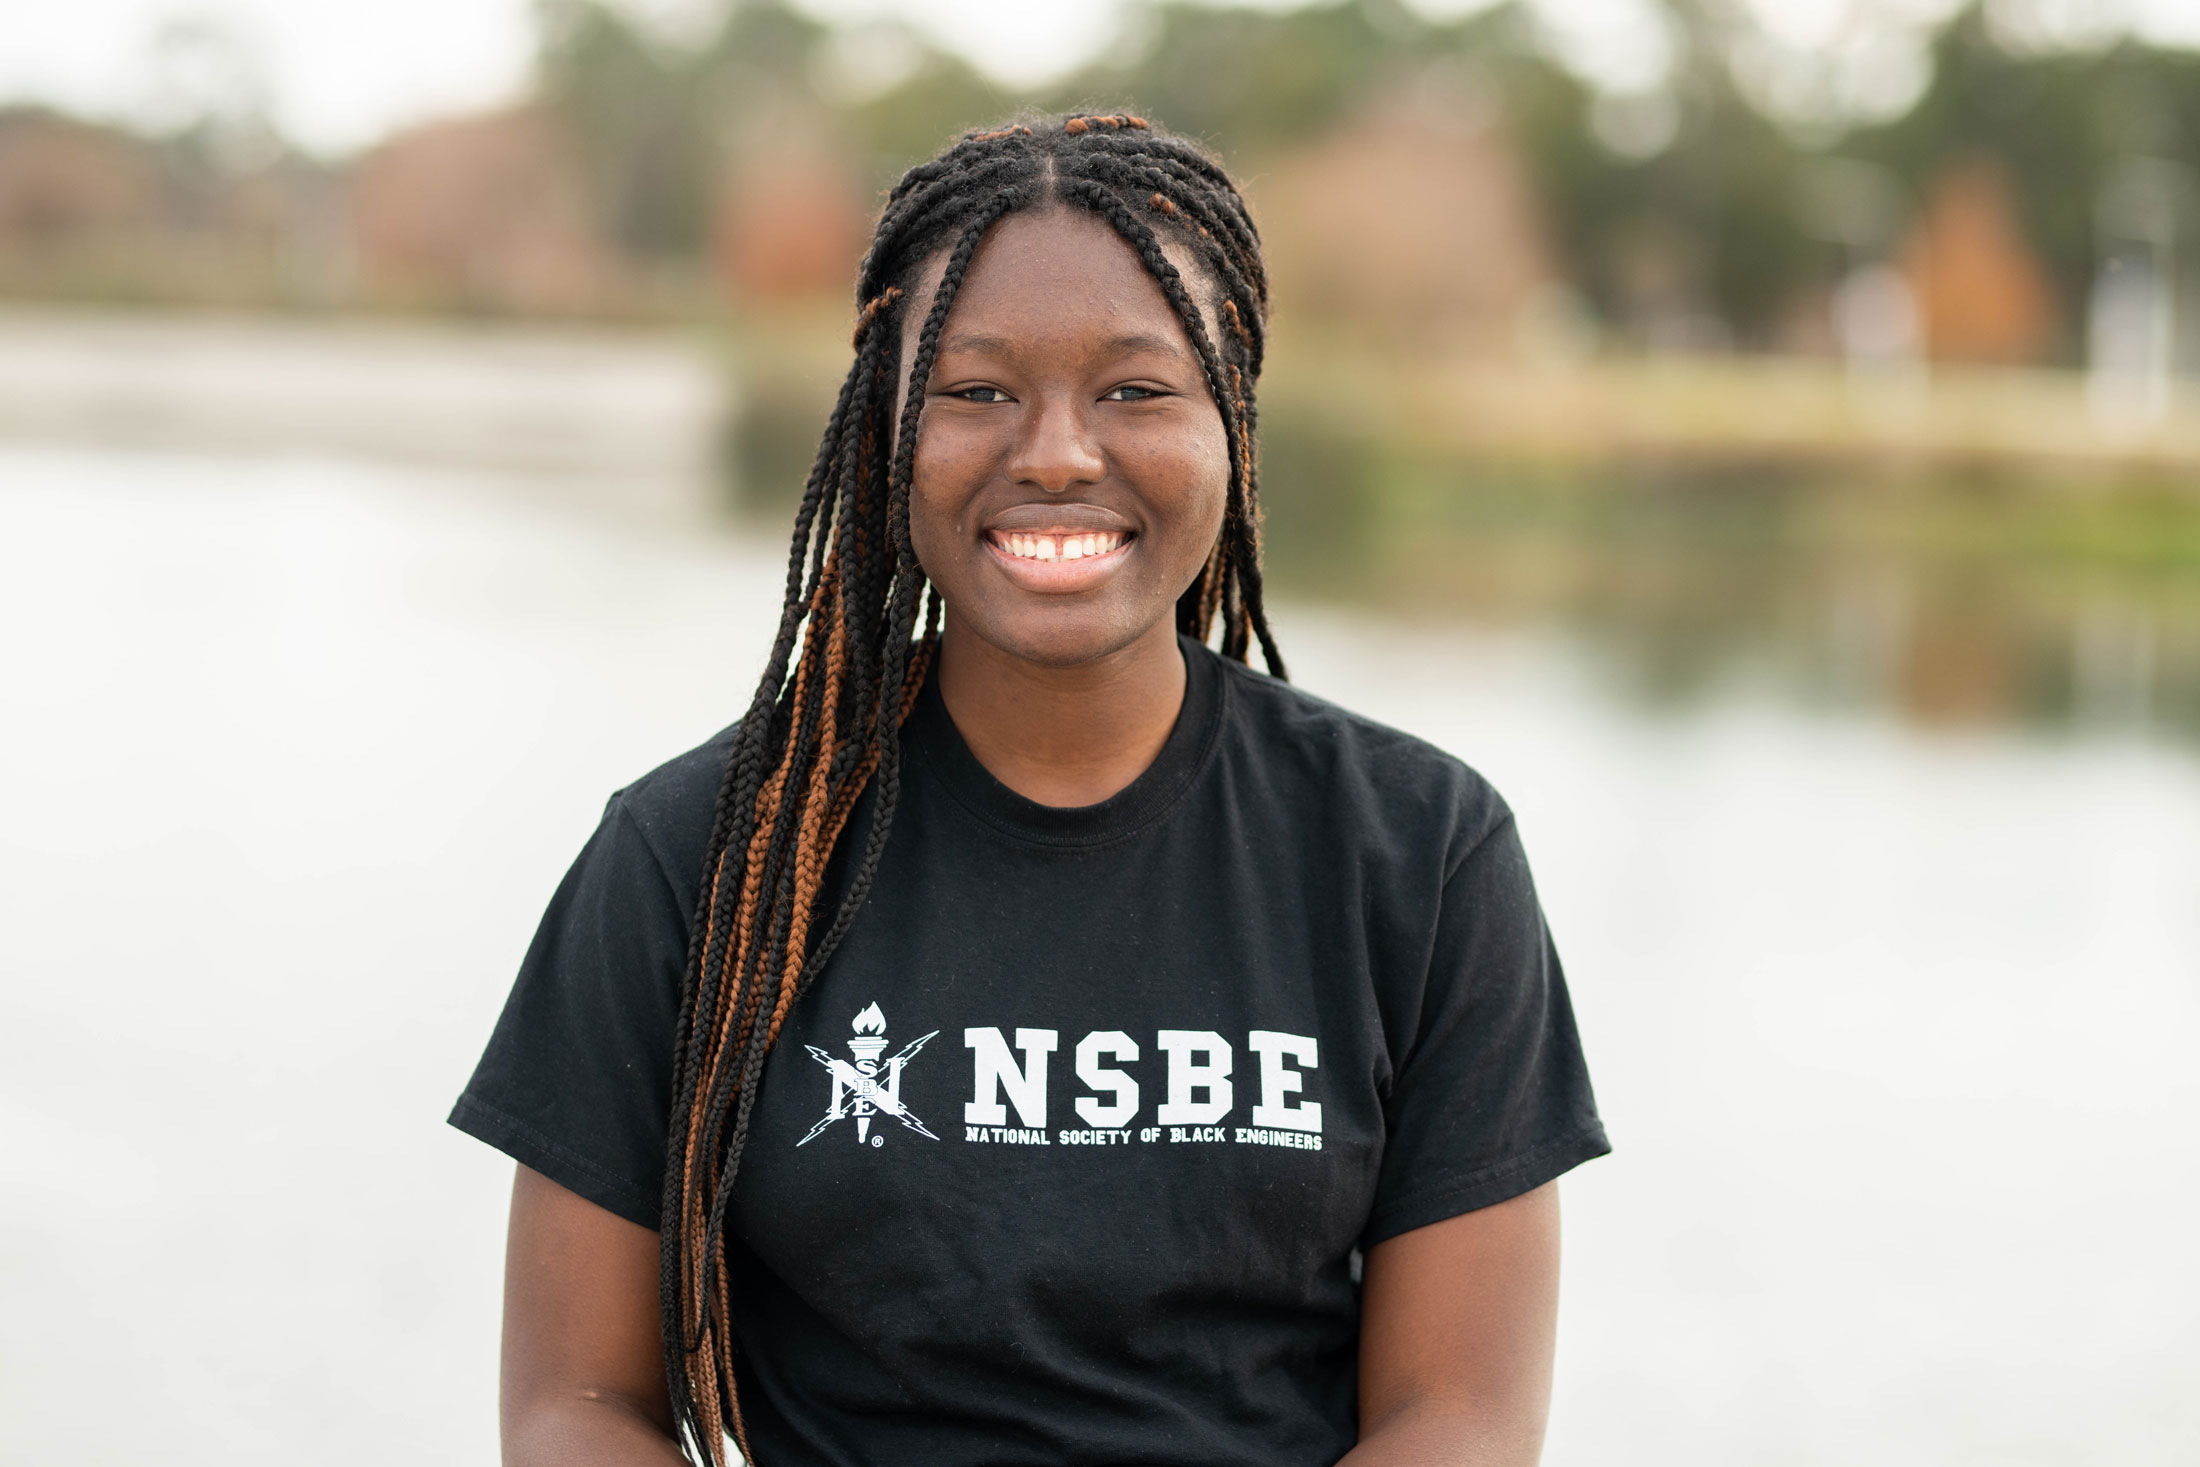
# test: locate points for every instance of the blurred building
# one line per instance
(1982, 294)
(202, 216)
(790, 221)
(74, 200)
(488, 212)
(1414, 221)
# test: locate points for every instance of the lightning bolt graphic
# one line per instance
(863, 1085)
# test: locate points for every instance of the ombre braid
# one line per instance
(850, 654)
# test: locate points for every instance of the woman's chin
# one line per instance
(1060, 635)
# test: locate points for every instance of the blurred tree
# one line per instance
(1679, 212)
(943, 97)
(1685, 242)
(635, 109)
(1681, 227)
(2062, 121)
(1251, 81)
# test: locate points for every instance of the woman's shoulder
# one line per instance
(1357, 766)
(670, 808)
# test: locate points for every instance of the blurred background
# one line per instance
(1762, 435)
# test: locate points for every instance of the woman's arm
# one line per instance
(583, 1374)
(1457, 1324)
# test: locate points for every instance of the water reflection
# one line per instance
(1949, 603)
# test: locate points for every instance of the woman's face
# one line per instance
(1071, 465)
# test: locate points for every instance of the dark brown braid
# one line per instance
(850, 655)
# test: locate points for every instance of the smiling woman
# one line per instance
(1071, 450)
(1312, 1015)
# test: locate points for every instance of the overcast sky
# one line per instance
(340, 73)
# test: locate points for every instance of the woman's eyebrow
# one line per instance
(989, 345)
(977, 342)
(1144, 341)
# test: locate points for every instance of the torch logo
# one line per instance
(859, 1090)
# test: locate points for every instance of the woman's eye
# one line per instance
(1128, 393)
(981, 394)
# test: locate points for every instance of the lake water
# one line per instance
(1894, 1030)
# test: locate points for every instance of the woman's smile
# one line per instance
(1057, 545)
(1057, 549)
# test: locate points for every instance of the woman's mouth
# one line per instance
(1059, 560)
(1057, 544)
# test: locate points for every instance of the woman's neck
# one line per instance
(1063, 735)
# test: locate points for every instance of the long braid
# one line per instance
(859, 628)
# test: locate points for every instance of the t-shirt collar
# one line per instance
(931, 736)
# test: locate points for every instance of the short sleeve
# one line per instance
(1492, 1097)
(576, 1080)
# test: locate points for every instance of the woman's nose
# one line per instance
(1056, 450)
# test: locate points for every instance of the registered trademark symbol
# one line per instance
(878, 1140)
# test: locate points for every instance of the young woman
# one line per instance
(1051, 1013)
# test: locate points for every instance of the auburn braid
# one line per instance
(858, 629)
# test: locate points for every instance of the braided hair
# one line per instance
(849, 656)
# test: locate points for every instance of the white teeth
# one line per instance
(1060, 547)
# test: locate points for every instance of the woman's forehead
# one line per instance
(1055, 270)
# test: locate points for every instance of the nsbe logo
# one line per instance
(1198, 1090)
(857, 1089)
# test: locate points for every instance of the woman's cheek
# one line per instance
(942, 470)
(933, 507)
(1185, 467)
(1205, 470)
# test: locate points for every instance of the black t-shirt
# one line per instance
(1067, 1155)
